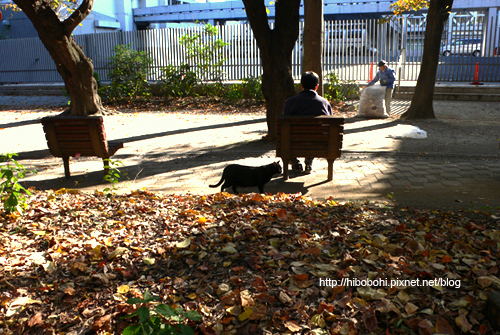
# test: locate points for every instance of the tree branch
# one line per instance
(78, 16)
(257, 16)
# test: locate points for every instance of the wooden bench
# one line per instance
(69, 136)
(309, 136)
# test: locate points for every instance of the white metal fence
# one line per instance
(350, 47)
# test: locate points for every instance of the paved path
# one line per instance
(181, 152)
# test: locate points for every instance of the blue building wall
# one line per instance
(20, 26)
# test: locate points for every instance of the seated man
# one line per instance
(307, 102)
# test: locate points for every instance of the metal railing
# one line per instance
(350, 47)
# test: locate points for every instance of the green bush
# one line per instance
(98, 80)
(339, 90)
(11, 192)
(128, 75)
(151, 318)
(233, 94)
(113, 176)
(203, 50)
(252, 88)
(178, 81)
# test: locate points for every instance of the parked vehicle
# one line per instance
(349, 42)
(465, 46)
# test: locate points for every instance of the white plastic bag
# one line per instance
(406, 130)
(371, 102)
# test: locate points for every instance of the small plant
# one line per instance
(160, 319)
(339, 90)
(252, 87)
(128, 74)
(233, 94)
(178, 81)
(98, 80)
(11, 191)
(203, 50)
(113, 176)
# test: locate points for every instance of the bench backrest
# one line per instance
(309, 136)
(70, 135)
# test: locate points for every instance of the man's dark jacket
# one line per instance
(307, 102)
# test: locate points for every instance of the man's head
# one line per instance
(382, 65)
(309, 80)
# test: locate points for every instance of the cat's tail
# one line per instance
(219, 183)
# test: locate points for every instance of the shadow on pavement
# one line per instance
(44, 153)
(20, 123)
(368, 128)
(154, 166)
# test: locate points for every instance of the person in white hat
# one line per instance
(387, 76)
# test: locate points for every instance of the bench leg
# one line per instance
(330, 168)
(66, 167)
(285, 168)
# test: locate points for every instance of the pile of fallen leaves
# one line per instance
(248, 264)
(200, 104)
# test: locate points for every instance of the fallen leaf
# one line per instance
(443, 327)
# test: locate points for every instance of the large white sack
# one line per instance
(371, 102)
(407, 130)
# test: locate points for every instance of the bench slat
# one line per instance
(306, 136)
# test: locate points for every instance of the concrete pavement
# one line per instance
(456, 166)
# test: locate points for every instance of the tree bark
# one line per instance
(75, 68)
(276, 46)
(312, 42)
(421, 104)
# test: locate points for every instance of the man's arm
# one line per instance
(374, 80)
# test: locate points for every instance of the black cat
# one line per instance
(239, 175)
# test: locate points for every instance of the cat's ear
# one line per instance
(277, 163)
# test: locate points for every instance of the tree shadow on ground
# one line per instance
(152, 166)
(44, 153)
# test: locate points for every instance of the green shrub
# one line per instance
(113, 176)
(151, 318)
(339, 90)
(128, 75)
(178, 81)
(252, 88)
(98, 80)
(232, 94)
(203, 51)
(11, 192)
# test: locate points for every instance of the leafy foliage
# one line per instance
(62, 8)
(151, 319)
(129, 73)
(244, 263)
(178, 81)
(113, 176)
(339, 90)
(402, 6)
(250, 88)
(233, 94)
(11, 192)
(203, 50)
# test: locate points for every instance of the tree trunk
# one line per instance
(276, 46)
(75, 68)
(421, 104)
(312, 42)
